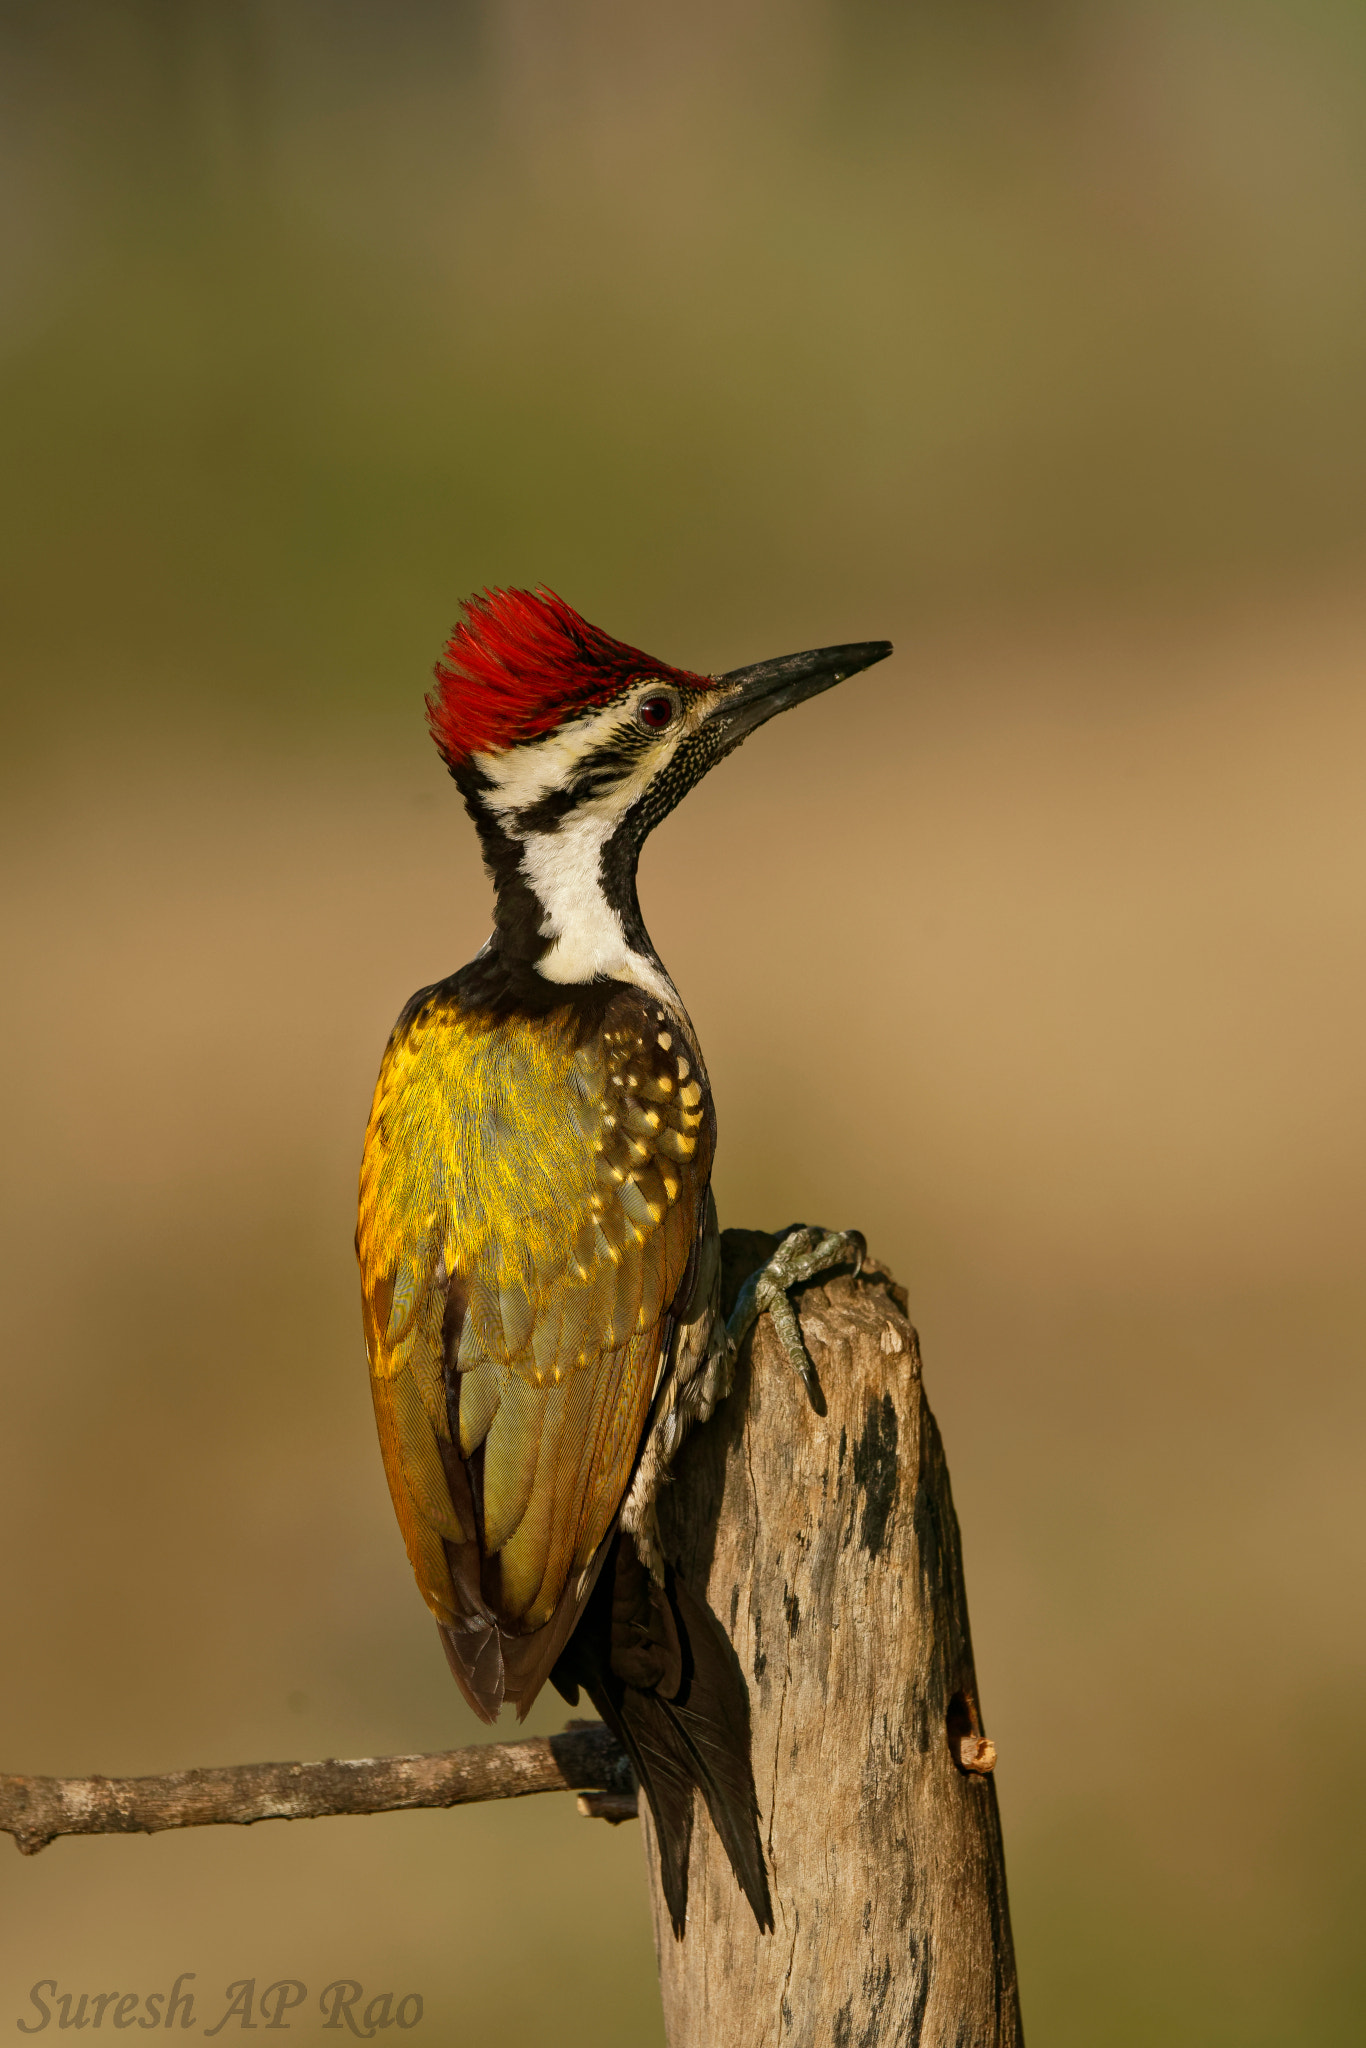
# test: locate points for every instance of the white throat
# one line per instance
(564, 867)
(588, 939)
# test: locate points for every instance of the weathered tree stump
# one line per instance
(828, 1548)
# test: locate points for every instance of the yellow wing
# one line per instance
(531, 1192)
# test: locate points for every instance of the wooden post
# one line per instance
(828, 1548)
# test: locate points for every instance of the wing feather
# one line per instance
(518, 1314)
(574, 1324)
(523, 1554)
(481, 1392)
(551, 1179)
(625, 1306)
(424, 1475)
(512, 1451)
(547, 1361)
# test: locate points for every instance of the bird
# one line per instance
(537, 1237)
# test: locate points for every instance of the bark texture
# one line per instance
(828, 1548)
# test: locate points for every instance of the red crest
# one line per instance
(518, 662)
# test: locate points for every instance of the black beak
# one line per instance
(756, 694)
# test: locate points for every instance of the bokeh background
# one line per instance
(1031, 335)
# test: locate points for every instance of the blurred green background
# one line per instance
(1032, 336)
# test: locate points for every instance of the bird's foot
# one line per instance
(804, 1254)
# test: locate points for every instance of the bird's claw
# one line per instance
(803, 1255)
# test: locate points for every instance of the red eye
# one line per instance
(656, 712)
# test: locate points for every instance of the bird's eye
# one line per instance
(657, 711)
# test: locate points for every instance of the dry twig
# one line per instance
(585, 1758)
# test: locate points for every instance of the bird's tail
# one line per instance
(657, 1666)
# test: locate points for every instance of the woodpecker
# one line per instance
(537, 1239)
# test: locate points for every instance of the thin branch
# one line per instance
(585, 1758)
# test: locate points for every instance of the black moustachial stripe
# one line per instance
(519, 940)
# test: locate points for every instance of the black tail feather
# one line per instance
(657, 1666)
(713, 1720)
(642, 1725)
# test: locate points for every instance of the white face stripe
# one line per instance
(564, 867)
(523, 775)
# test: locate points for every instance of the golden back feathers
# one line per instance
(531, 1192)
